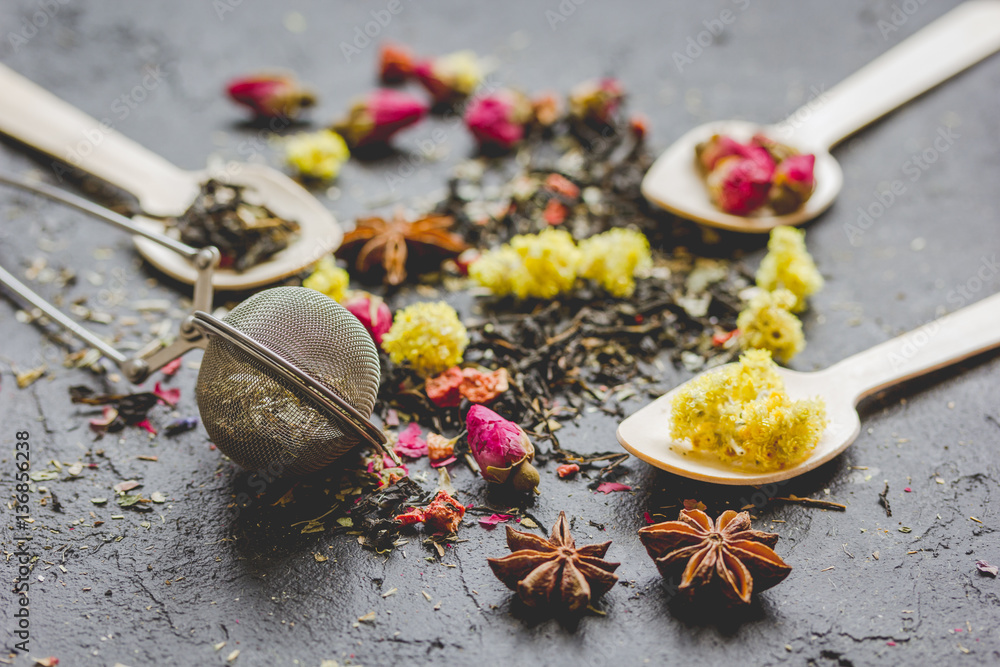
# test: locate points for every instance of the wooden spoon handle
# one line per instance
(958, 40)
(38, 118)
(952, 338)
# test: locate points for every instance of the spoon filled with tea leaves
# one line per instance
(272, 206)
(950, 339)
(677, 182)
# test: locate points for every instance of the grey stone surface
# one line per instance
(201, 573)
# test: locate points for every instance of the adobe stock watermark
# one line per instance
(365, 33)
(958, 297)
(696, 44)
(30, 26)
(900, 14)
(913, 169)
(121, 108)
(562, 12)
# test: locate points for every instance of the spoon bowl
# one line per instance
(675, 183)
(946, 47)
(962, 334)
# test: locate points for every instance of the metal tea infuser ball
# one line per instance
(288, 379)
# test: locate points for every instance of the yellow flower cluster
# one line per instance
(547, 264)
(317, 154)
(789, 265)
(741, 414)
(329, 279)
(461, 70)
(428, 336)
(614, 258)
(767, 323)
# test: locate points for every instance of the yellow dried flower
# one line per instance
(789, 265)
(767, 323)
(495, 270)
(428, 336)
(741, 414)
(614, 258)
(317, 154)
(329, 279)
(461, 70)
(549, 263)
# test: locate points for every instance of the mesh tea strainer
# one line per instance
(288, 379)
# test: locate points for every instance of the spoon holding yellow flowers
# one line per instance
(648, 434)
(956, 41)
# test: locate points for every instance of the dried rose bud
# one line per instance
(596, 101)
(778, 151)
(373, 314)
(718, 147)
(395, 63)
(375, 118)
(502, 449)
(271, 95)
(793, 183)
(497, 120)
(545, 109)
(639, 125)
(740, 185)
(450, 78)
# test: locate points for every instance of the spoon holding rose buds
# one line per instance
(960, 335)
(41, 120)
(951, 44)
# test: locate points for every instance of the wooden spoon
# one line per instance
(962, 334)
(951, 44)
(38, 118)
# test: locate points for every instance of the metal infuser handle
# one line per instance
(138, 368)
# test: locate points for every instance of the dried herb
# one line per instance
(555, 571)
(378, 242)
(245, 233)
(883, 500)
(724, 558)
(132, 409)
(373, 515)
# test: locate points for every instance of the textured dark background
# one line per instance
(200, 574)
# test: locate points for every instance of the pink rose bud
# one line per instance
(502, 449)
(718, 147)
(596, 101)
(793, 183)
(271, 95)
(450, 78)
(376, 117)
(497, 120)
(373, 314)
(740, 185)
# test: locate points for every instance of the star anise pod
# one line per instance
(724, 556)
(555, 571)
(389, 242)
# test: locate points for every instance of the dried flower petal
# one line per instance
(409, 443)
(491, 521)
(329, 279)
(789, 265)
(610, 487)
(986, 568)
(442, 389)
(168, 396)
(317, 155)
(444, 514)
(767, 323)
(450, 78)
(498, 120)
(271, 95)
(171, 368)
(482, 387)
(373, 313)
(395, 63)
(375, 118)
(568, 469)
(439, 447)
